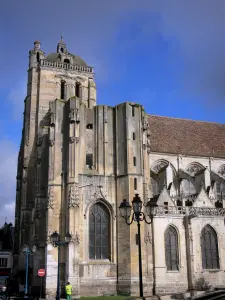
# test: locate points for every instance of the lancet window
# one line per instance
(99, 232)
(209, 247)
(171, 249)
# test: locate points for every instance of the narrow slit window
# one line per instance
(134, 136)
(77, 90)
(135, 183)
(38, 57)
(133, 111)
(134, 161)
(62, 96)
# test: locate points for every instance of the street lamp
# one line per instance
(27, 251)
(56, 242)
(138, 216)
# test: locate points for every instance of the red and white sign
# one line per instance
(41, 272)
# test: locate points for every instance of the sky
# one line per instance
(168, 55)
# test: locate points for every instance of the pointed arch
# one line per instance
(221, 171)
(99, 231)
(209, 248)
(161, 175)
(171, 248)
(194, 167)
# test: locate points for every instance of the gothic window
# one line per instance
(77, 90)
(62, 95)
(209, 247)
(66, 60)
(171, 249)
(99, 226)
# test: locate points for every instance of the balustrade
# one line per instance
(59, 65)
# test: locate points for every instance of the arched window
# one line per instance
(171, 249)
(209, 246)
(62, 96)
(77, 90)
(99, 232)
(66, 60)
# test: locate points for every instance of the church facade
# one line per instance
(79, 160)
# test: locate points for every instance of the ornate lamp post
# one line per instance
(27, 251)
(57, 242)
(137, 216)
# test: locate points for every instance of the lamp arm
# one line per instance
(145, 219)
(132, 219)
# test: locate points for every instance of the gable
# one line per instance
(203, 200)
(165, 197)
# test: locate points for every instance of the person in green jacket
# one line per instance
(68, 291)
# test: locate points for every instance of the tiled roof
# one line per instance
(187, 137)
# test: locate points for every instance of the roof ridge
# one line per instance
(184, 119)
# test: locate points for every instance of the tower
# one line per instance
(77, 161)
(53, 79)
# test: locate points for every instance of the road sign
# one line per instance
(41, 272)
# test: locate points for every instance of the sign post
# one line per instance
(41, 273)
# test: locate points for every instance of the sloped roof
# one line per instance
(187, 137)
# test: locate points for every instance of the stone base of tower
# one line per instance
(131, 288)
(97, 287)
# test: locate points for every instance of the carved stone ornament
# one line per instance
(52, 119)
(161, 165)
(51, 142)
(148, 145)
(71, 139)
(222, 171)
(77, 116)
(145, 123)
(25, 179)
(75, 238)
(25, 162)
(39, 140)
(73, 196)
(50, 200)
(148, 238)
(72, 115)
(98, 194)
(193, 169)
(77, 139)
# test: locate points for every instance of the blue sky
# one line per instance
(167, 55)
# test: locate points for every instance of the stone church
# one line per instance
(79, 160)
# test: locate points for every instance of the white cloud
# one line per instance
(8, 167)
